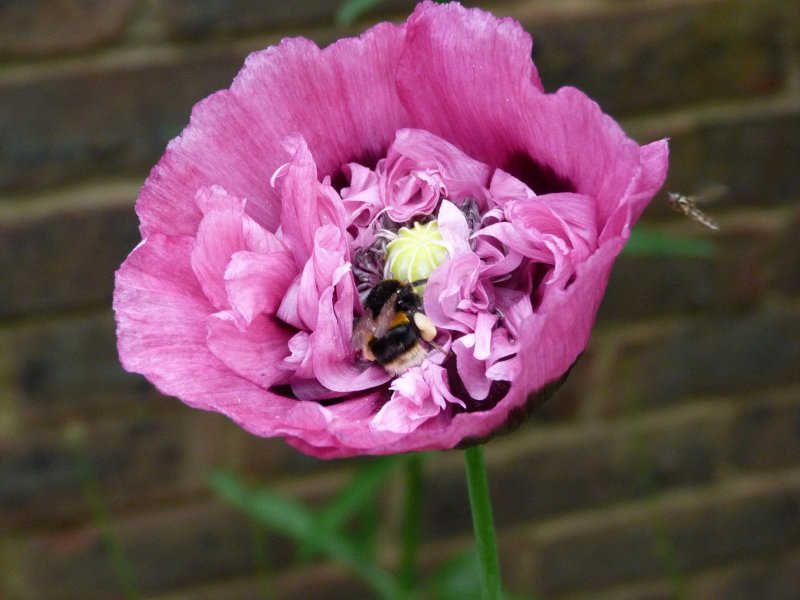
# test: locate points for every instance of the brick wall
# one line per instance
(668, 466)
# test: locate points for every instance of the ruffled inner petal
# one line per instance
(419, 395)
(332, 354)
(221, 234)
(570, 217)
(306, 205)
(556, 229)
(454, 229)
(412, 404)
(257, 283)
(420, 168)
(449, 294)
(325, 267)
(471, 370)
(431, 151)
(505, 187)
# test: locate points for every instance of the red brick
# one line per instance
(36, 27)
(785, 258)
(736, 277)
(207, 18)
(719, 355)
(649, 590)
(164, 550)
(766, 431)
(736, 521)
(646, 286)
(635, 57)
(775, 579)
(62, 253)
(108, 116)
(68, 368)
(745, 242)
(750, 148)
(539, 473)
(132, 460)
(310, 581)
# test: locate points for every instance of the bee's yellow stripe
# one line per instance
(399, 319)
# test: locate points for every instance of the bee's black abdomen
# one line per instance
(397, 341)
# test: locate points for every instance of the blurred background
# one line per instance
(667, 467)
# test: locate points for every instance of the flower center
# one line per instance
(415, 252)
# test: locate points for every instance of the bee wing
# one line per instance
(711, 192)
(368, 326)
(362, 331)
(384, 320)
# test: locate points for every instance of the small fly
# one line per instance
(687, 205)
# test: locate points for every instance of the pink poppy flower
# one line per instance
(267, 220)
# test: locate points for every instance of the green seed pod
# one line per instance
(415, 253)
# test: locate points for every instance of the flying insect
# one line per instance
(687, 204)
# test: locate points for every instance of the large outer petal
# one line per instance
(254, 352)
(464, 76)
(161, 333)
(343, 99)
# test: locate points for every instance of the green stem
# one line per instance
(99, 515)
(483, 523)
(412, 521)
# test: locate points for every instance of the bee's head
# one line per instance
(408, 300)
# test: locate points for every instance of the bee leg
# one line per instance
(436, 346)
(427, 329)
(366, 352)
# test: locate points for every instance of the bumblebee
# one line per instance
(392, 326)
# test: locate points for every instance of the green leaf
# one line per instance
(361, 490)
(351, 10)
(297, 522)
(369, 522)
(456, 579)
(281, 514)
(645, 241)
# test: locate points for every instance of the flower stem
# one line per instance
(483, 523)
(412, 521)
